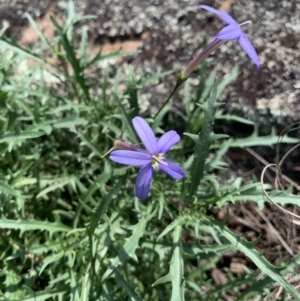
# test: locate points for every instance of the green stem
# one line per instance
(168, 99)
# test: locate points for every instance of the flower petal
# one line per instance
(249, 49)
(229, 32)
(143, 181)
(130, 157)
(223, 15)
(166, 141)
(146, 134)
(173, 170)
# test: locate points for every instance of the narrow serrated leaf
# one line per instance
(31, 224)
(231, 117)
(248, 249)
(127, 120)
(90, 144)
(71, 56)
(227, 80)
(131, 92)
(202, 145)
(6, 189)
(37, 30)
(132, 243)
(268, 140)
(171, 226)
(51, 259)
(58, 183)
(11, 45)
(175, 274)
(50, 294)
(103, 206)
(128, 287)
(15, 137)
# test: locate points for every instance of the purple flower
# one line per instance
(234, 31)
(150, 158)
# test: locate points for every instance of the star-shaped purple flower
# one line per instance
(234, 31)
(150, 158)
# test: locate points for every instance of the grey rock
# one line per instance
(175, 32)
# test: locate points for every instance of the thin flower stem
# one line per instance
(200, 57)
(184, 75)
(168, 99)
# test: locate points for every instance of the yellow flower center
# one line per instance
(158, 159)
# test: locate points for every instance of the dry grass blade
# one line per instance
(276, 168)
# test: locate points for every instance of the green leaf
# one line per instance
(11, 45)
(57, 183)
(114, 55)
(6, 189)
(127, 120)
(50, 294)
(103, 206)
(161, 248)
(203, 80)
(51, 259)
(87, 194)
(217, 161)
(128, 287)
(227, 80)
(257, 288)
(12, 279)
(187, 99)
(86, 285)
(178, 221)
(253, 192)
(230, 117)
(159, 117)
(132, 243)
(131, 92)
(175, 274)
(191, 250)
(202, 145)
(238, 243)
(75, 63)
(152, 78)
(206, 86)
(69, 123)
(71, 18)
(37, 30)
(213, 136)
(17, 137)
(86, 140)
(30, 225)
(267, 140)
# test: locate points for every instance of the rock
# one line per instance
(169, 33)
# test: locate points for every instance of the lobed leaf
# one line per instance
(202, 145)
(175, 274)
(30, 225)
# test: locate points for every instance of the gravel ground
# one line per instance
(172, 32)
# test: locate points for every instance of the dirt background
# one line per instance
(169, 33)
